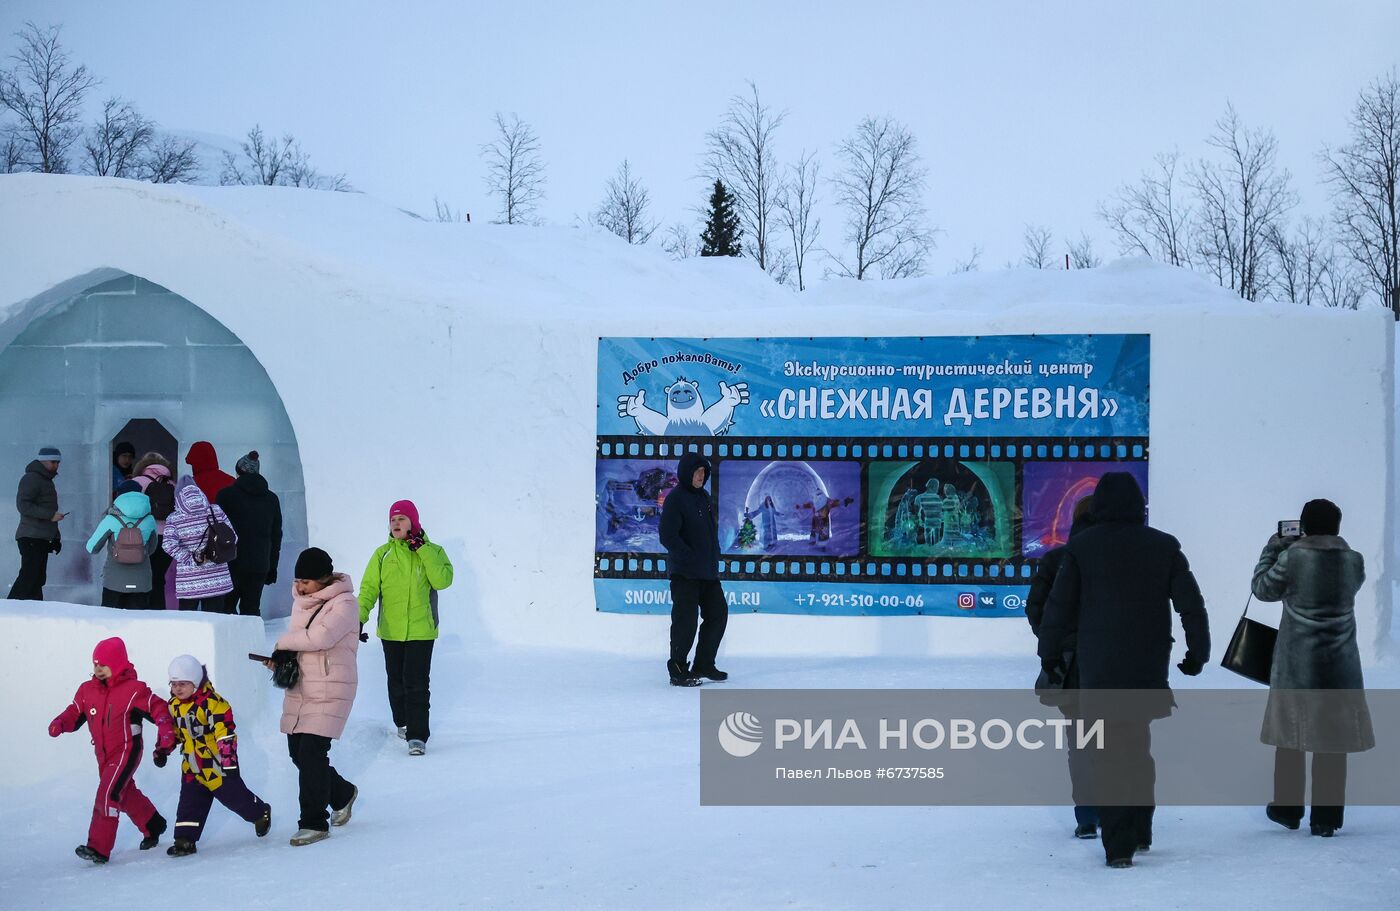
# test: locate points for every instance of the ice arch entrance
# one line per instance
(80, 363)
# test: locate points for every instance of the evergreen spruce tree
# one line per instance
(722, 231)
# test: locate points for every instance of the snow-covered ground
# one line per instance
(562, 779)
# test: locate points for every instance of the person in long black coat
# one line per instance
(256, 515)
(1316, 577)
(1086, 818)
(1117, 585)
(690, 535)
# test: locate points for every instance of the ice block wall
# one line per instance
(124, 349)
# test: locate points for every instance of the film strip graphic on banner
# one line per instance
(945, 523)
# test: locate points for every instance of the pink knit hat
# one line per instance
(406, 509)
(112, 653)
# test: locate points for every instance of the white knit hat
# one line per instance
(187, 667)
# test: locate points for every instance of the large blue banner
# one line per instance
(863, 475)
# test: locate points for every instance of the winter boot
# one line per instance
(1324, 831)
(264, 823)
(342, 816)
(309, 837)
(87, 853)
(417, 748)
(155, 828)
(181, 848)
(1120, 863)
(680, 674)
(403, 732)
(1276, 815)
(709, 672)
(1087, 830)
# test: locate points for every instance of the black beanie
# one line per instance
(1321, 517)
(314, 563)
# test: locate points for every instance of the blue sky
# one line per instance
(1026, 112)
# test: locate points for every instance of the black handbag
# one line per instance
(286, 668)
(1251, 649)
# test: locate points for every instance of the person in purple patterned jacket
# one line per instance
(199, 584)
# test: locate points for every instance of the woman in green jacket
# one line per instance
(403, 579)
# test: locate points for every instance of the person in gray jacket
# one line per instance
(37, 535)
(126, 577)
(1317, 702)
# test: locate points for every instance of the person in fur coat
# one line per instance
(1317, 702)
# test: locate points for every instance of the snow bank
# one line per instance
(45, 654)
(455, 365)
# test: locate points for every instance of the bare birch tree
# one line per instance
(118, 142)
(623, 210)
(45, 91)
(262, 160)
(1035, 248)
(11, 151)
(1341, 286)
(443, 212)
(1153, 216)
(1082, 254)
(514, 170)
(972, 264)
(880, 189)
(740, 153)
(1300, 259)
(1241, 200)
(795, 201)
(300, 172)
(1364, 176)
(681, 241)
(273, 162)
(170, 159)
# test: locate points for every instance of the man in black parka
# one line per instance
(1117, 584)
(690, 535)
(1086, 818)
(256, 514)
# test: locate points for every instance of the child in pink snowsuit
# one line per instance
(113, 704)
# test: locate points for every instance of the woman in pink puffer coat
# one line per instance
(324, 631)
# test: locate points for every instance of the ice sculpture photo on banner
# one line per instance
(863, 476)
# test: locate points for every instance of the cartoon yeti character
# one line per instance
(686, 414)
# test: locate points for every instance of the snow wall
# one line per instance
(455, 365)
(38, 643)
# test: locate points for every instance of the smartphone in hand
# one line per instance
(1290, 528)
(260, 658)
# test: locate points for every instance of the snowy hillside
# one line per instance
(460, 361)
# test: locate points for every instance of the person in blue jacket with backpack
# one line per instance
(128, 532)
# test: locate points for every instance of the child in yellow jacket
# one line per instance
(204, 723)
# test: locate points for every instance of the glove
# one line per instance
(56, 546)
(271, 577)
(55, 728)
(1190, 665)
(415, 539)
(159, 757)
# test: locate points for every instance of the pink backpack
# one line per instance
(129, 546)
